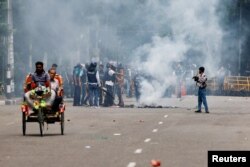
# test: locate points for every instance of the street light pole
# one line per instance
(10, 58)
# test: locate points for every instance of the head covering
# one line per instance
(92, 67)
(54, 65)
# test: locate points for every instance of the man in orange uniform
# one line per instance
(59, 78)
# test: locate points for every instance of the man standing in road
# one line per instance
(77, 73)
(201, 79)
(109, 84)
(93, 84)
(120, 84)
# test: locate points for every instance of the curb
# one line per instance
(19, 100)
(10, 102)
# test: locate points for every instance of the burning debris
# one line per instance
(148, 106)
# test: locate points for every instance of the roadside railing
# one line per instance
(237, 83)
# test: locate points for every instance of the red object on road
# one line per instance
(155, 163)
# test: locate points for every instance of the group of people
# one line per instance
(95, 86)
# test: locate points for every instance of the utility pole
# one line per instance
(240, 42)
(10, 86)
(3, 45)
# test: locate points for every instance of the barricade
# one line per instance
(237, 83)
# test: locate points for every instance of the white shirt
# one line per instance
(111, 72)
(54, 84)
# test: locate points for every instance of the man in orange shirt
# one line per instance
(59, 78)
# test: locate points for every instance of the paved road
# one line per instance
(128, 137)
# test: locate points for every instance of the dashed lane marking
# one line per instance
(147, 140)
(138, 151)
(88, 147)
(131, 164)
(117, 134)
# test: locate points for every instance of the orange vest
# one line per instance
(60, 80)
(27, 83)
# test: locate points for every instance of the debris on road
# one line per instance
(155, 163)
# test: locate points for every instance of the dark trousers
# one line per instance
(100, 97)
(119, 92)
(93, 95)
(57, 102)
(83, 93)
(137, 93)
(77, 95)
(109, 101)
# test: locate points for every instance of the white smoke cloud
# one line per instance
(158, 64)
(193, 26)
(151, 33)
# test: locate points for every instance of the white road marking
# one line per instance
(155, 130)
(138, 151)
(117, 134)
(160, 123)
(147, 140)
(131, 164)
(88, 147)
(165, 116)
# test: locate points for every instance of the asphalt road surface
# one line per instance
(128, 137)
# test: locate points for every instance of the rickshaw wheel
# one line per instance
(24, 123)
(40, 121)
(62, 123)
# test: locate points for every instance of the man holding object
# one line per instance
(200, 80)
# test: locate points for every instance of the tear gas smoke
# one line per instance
(154, 34)
(194, 27)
